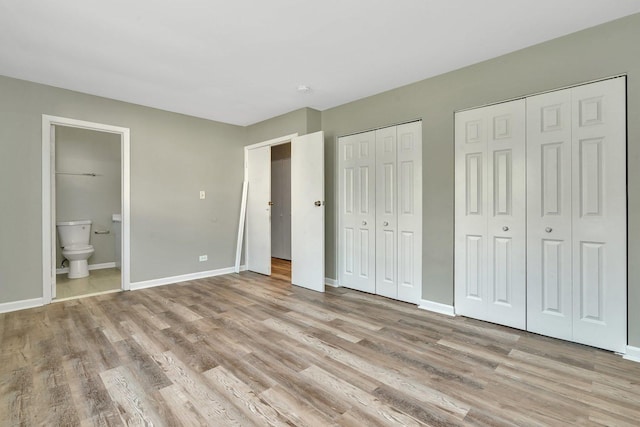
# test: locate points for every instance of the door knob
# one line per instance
(505, 228)
(385, 223)
(548, 229)
(364, 222)
(317, 203)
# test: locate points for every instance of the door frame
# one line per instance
(48, 197)
(269, 143)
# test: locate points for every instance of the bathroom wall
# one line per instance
(87, 197)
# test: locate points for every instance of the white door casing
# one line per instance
(490, 214)
(307, 211)
(258, 210)
(599, 214)
(549, 290)
(356, 242)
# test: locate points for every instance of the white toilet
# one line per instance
(74, 239)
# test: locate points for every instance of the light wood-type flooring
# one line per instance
(253, 350)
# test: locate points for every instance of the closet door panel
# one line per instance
(599, 214)
(549, 257)
(409, 160)
(506, 226)
(470, 213)
(356, 244)
(386, 213)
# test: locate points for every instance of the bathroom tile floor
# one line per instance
(102, 280)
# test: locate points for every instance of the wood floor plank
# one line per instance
(246, 349)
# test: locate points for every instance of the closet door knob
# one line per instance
(548, 229)
(364, 222)
(505, 228)
(385, 223)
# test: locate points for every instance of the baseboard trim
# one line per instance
(331, 282)
(183, 278)
(91, 267)
(437, 307)
(632, 353)
(21, 305)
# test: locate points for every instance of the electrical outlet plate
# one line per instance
(202, 194)
(202, 258)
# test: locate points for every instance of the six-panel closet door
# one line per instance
(357, 241)
(380, 212)
(576, 147)
(399, 212)
(490, 214)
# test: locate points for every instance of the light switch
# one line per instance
(202, 194)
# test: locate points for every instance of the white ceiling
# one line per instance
(241, 61)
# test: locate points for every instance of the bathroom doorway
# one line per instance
(85, 178)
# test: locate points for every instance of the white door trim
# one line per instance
(48, 220)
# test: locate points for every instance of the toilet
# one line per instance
(74, 240)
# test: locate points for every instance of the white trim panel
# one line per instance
(183, 278)
(21, 305)
(632, 353)
(437, 307)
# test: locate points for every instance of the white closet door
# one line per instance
(549, 298)
(599, 214)
(409, 228)
(490, 214)
(307, 211)
(506, 222)
(356, 242)
(471, 210)
(258, 210)
(386, 213)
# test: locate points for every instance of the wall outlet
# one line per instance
(202, 258)
(202, 194)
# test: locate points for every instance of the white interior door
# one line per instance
(470, 254)
(258, 210)
(409, 165)
(490, 218)
(386, 213)
(599, 214)
(356, 242)
(549, 300)
(307, 211)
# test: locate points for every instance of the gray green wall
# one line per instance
(172, 157)
(602, 51)
(88, 197)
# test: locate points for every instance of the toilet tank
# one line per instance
(74, 232)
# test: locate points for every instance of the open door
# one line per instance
(259, 210)
(307, 211)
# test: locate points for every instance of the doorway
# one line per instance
(307, 208)
(84, 176)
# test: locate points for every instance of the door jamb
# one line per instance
(48, 216)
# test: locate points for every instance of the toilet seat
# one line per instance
(77, 247)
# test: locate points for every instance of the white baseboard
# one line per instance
(183, 278)
(91, 267)
(21, 305)
(331, 282)
(437, 307)
(632, 353)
